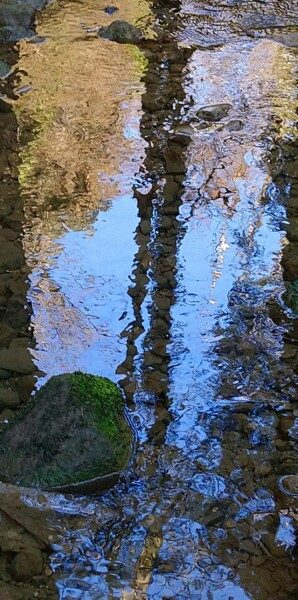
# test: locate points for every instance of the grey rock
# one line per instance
(234, 125)
(111, 10)
(16, 360)
(214, 112)
(8, 398)
(16, 18)
(121, 32)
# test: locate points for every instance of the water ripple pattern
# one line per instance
(155, 229)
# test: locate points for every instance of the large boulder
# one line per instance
(121, 32)
(73, 433)
(17, 17)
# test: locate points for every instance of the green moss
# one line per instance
(103, 397)
(74, 429)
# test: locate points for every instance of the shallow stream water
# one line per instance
(154, 240)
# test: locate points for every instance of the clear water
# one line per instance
(165, 277)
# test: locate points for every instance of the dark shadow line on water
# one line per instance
(159, 232)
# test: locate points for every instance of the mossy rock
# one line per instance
(73, 433)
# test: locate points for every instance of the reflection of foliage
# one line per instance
(72, 120)
(291, 296)
(43, 118)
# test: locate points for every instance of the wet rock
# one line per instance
(213, 518)
(8, 398)
(263, 469)
(27, 564)
(7, 334)
(121, 32)
(30, 522)
(291, 169)
(288, 484)
(174, 160)
(24, 386)
(10, 592)
(153, 102)
(18, 362)
(20, 342)
(14, 221)
(16, 18)
(5, 210)
(177, 68)
(290, 261)
(241, 459)
(4, 69)
(292, 229)
(184, 133)
(214, 112)
(11, 256)
(145, 226)
(4, 374)
(289, 352)
(111, 10)
(234, 125)
(285, 422)
(74, 430)
(17, 312)
(274, 549)
(9, 234)
(249, 547)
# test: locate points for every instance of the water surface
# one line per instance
(155, 240)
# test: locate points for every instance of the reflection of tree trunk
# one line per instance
(158, 232)
(158, 235)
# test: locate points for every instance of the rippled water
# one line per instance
(154, 240)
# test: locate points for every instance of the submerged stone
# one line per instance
(4, 69)
(214, 112)
(73, 431)
(289, 485)
(110, 10)
(121, 32)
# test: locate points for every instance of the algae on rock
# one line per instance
(73, 430)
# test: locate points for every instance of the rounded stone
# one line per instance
(288, 484)
(214, 112)
(121, 32)
(27, 564)
(73, 433)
